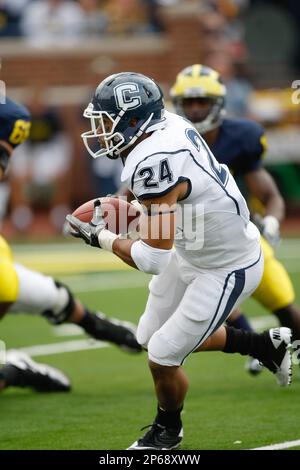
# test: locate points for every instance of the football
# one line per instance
(120, 216)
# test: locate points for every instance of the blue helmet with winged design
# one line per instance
(125, 106)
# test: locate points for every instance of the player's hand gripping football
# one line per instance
(88, 231)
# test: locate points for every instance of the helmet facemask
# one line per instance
(106, 131)
(213, 118)
(102, 133)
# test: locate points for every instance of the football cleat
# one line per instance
(279, 356)
(40, 377)
(253, 366)
(159, 438)
(121, 333)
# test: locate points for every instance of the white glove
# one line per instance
(138, 205)
(134, 234)
(269, 227)
(94, 233)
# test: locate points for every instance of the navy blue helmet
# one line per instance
(125, 106)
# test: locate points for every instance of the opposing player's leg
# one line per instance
(22, 371)
(43, 295)
(9, 284)
(238, 320)
(276, 293)
(289, 316)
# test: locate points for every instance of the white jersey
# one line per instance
(213, 225)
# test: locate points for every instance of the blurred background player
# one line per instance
(28, 291)
(40, 182)
(199, 95)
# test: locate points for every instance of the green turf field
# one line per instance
(112, 395)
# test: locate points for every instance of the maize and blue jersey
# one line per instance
(240, 145)
(14, 123)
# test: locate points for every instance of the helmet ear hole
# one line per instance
(116, 139)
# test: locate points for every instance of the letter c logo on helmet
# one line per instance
(125, 95)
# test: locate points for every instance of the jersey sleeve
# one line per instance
(156, 176)
(255, 146)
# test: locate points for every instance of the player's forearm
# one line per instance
(262, 186)
(275, 206)
(269, 225)
(140, 255)
(122, 249)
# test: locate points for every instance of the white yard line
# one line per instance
(89, 286)
(101, 282)
(287, 243)
(66, 346)
(87, 344)
(67, 329)
(263, 322)
(280, 446)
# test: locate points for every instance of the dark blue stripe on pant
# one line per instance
(236, 292)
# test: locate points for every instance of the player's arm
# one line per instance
(157, 228)
(261, 185)
(158, 183)
(151, 253)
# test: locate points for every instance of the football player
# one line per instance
(198, 95)
(24, 290)
(170, 168)
(19, 369)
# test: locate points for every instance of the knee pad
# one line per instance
(64, 305)
(41, 294)
(145, 330)
(165, 350)
(142, 334)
